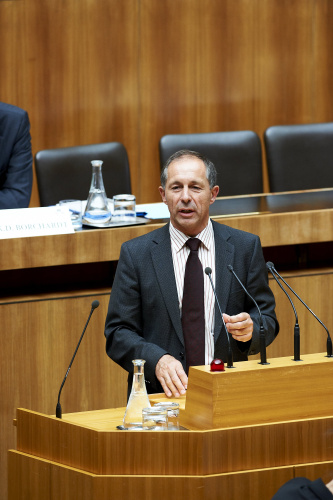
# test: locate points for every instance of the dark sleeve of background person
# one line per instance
(301, 488)
(16, 161)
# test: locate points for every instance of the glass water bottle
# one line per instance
(97, 210)
(138, 398)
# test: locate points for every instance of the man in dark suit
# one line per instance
(15, 157)
(144, 316)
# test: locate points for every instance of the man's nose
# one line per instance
(186, 196)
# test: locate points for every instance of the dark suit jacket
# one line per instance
(143, 320)
(301, 488)
(15, 157)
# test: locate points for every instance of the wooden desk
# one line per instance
(279, 219)
(47, 285)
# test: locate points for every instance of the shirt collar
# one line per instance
(178, 239)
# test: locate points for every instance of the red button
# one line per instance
(217, 365)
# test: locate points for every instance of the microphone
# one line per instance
(297, 357)
(263, 359)
(271, 267)
(230, 364)
(94, 305)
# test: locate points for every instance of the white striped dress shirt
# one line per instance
(180, 253)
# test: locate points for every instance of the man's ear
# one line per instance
(214, 193)
(162, 193)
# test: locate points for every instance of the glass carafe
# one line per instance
(138, 398)
(97, 210)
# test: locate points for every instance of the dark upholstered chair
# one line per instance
(299, 156)
(236, 156)
(65, 173)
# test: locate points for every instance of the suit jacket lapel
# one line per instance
(224, 255)
(163, 265)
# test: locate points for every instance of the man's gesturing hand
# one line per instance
(171, 374)
(239, 326)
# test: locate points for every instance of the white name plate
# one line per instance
(40, 221)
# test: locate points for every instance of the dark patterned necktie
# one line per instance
(193, 310)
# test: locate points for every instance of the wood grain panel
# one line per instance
(101, 449)
(73, 67)
(71, 484)
(237, 460)
(103, 245)
(316, 291)
(134, 71)
(38, 342)
(322, 62)
(284, 64)
(202, 76)
(252, 393)
(35, 478)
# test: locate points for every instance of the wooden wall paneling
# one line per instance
(14, 84)
(283, 66)
(134, 71)
(316, 290)
(284, 63)
(167, 83)
(98, 86)
(73, 67)
(226, 61)
(322, 62)
(196, 72)
(38, 341)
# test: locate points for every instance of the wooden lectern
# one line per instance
(250, 429)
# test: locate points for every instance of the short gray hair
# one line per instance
(186, 153)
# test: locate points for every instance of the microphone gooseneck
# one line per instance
(230, 363)
(94, 305)
(271, 267)
(262, 339)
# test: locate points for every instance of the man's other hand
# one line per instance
(171, 374)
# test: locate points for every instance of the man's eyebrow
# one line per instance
(197, 181)
(191, 182)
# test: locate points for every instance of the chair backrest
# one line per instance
(299, 156)
(236, 155)
(65, 173)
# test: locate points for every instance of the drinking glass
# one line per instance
(155, 419)
(123, 207)
(75, 208)
(173, 414)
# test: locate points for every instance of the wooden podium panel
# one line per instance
(270, 393)
(245, 462)
(101, 449)
(85, 456)
(45, 480)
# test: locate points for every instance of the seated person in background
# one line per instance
(15, 157)
(301, 488)
(144, 319)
